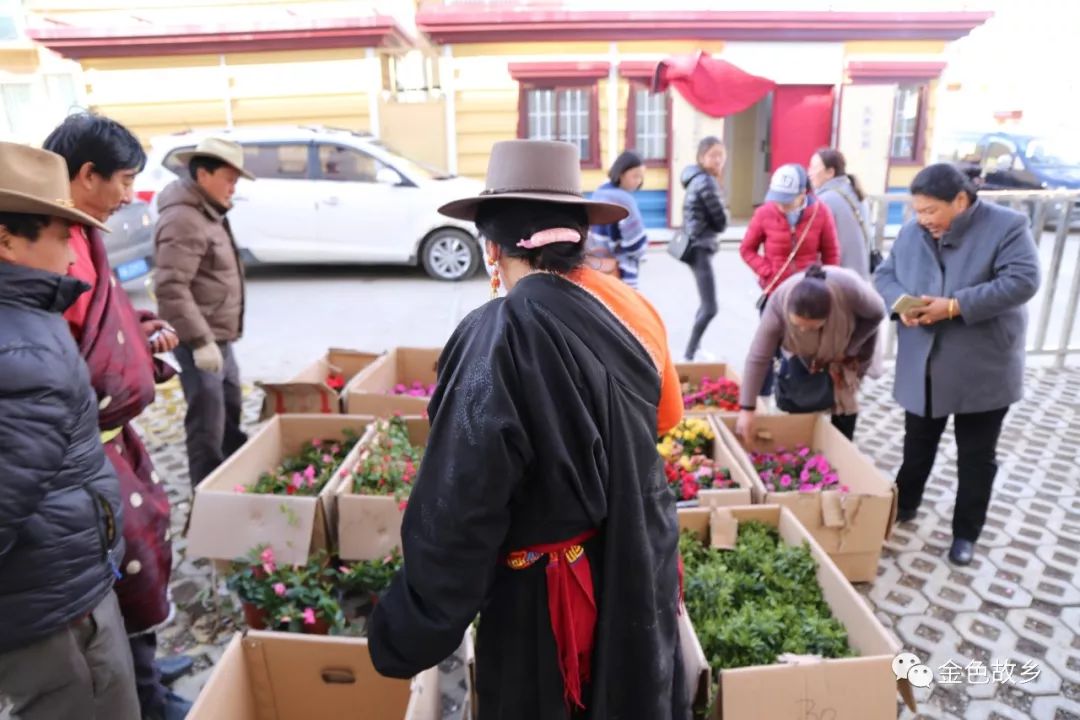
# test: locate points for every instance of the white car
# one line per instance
(332, 196)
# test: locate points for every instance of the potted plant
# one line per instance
(361, 584)
(799, 471)
(389, 465)
(689, 464)
(307, 472)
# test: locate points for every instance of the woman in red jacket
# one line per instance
(791, 231)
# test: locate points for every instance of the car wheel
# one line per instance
(450, 254)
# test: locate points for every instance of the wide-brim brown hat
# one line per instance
(229, 152)
(540, 170)
(36, 182)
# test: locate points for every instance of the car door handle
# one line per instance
(331, 201)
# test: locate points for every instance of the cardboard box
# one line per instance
(369, 526)
(226, 525)
(307, 391)
(859, 688)
(741, 495)
(371, 392)
(852, 526)
(695, 372)
(285, 676)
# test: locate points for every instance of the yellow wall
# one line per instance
(158, 95)
(417, 129)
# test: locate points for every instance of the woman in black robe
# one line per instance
(543, 432)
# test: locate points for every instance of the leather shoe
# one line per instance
(176, 707)
(962, 552)
(905, 516)
(174, 667)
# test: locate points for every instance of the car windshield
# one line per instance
(413, 167)
(1049, 153)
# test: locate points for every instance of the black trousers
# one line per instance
(701, 265)
(215, 405)
(976, 439)
(147, 676)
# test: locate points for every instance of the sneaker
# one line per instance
(962, 552)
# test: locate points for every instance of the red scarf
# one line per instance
(571, 606)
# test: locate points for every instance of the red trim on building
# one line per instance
(631, 123)
(561, 72)
(467, 24)
(869, 72)
(643, 70)
(133, 41)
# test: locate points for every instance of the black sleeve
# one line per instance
(713, 203)
(458, 513)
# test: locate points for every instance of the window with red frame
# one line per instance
(566, 113)
(908, 110)
(647, 124)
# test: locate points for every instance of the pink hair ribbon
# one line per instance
(547, 237)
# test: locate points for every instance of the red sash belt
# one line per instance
(571, 606)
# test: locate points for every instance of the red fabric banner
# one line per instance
(715, 87)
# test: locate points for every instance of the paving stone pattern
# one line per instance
(1018, 603)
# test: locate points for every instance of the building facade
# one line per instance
(444, 81)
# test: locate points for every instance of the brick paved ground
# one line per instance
(1019, 601)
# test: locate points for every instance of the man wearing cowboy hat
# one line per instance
(64, 652)
(118, 343)
(200, 287)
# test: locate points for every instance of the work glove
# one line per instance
(208, 358)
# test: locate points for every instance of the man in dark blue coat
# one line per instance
(63, 648)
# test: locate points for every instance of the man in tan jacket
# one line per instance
(200, 287)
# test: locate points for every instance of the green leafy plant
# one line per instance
(390, 463)
(754, 603)
(307, 472)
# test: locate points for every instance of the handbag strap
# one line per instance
(858, 217)
(794, 251)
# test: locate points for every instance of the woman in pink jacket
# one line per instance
(788, 233)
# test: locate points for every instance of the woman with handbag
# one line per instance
(704, 218)
(791, 230)
(841, 193)
(826, 324)
(617, 248)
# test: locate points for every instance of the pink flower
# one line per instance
(807, 487)
(239, 488)
(844, 488)
(309, 616)
(327, 459)
(316, 443)
(309, 472)
(804, 476)
(279, 589)
(297, 480)
(344, 570)
(335, 449)
(401, 505)
(803, 452)
(785, 481)
(400, 389)
(831, 479)
(267, 558)
(286, 619)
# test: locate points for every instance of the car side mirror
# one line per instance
(387, 176)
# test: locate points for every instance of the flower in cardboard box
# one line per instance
(414, 389)
(307, 472)
(802, 470)
(711, 394)
(688, 463)
(389, 464)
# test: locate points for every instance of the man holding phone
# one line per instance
(118, 344)
(958, 279)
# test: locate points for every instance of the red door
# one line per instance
(802, 118)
